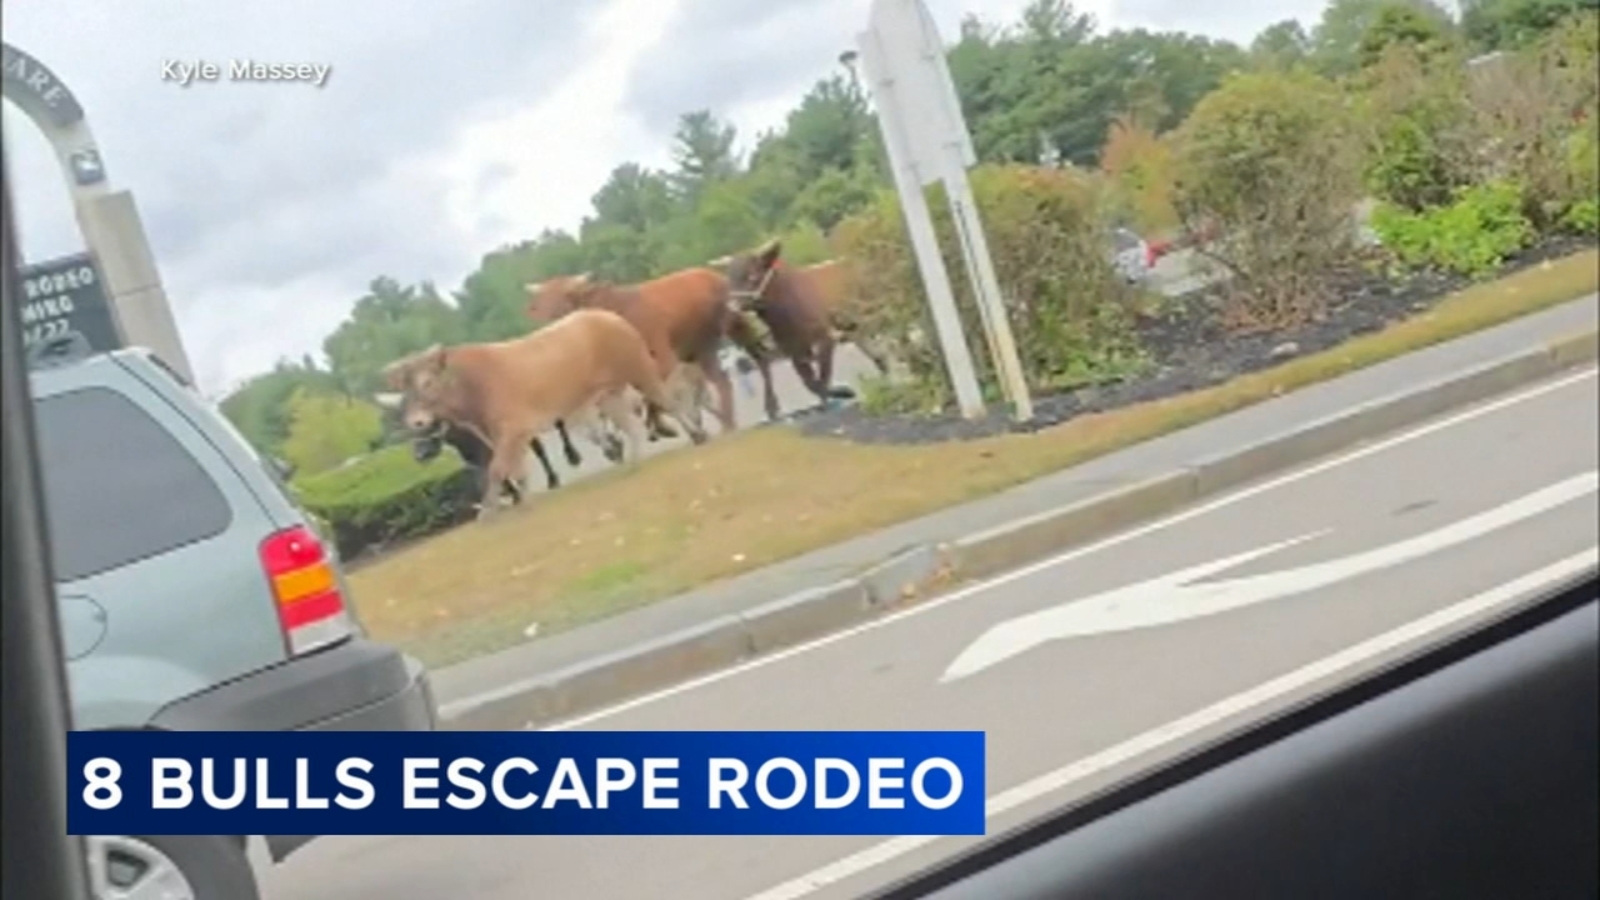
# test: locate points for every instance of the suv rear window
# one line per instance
(118, 487)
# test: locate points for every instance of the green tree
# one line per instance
(704, 154)
(1397, 23)
(259, 407)
(1508, 24)
(825, 129)
(1336, 41)
(832, 195)
(325, 429)
(634, 197)
(776, 178)
(391, 321)
(724, 223)
(1282, 45)
(619, 252)
(491, 302)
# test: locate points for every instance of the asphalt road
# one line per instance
(1355, 559)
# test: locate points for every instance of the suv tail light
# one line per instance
(310, 607)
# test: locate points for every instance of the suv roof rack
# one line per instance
(59, 350)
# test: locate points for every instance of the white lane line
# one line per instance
(1178, 729)
(1388, 443)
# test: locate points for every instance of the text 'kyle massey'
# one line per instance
(187, 73)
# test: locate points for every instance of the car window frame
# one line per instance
(38, 858)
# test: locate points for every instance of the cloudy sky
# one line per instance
(445, 130)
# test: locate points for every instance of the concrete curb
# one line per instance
(917, 571)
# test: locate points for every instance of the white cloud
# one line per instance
(551, 157)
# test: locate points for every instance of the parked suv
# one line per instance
(194, 595)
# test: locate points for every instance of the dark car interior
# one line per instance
(1468, 770)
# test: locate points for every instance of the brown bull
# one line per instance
(801, 306)
(508, 392)
(682, 316)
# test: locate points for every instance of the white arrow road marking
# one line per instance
(1173, 598)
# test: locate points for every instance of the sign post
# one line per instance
(919, 225)
(918, 106)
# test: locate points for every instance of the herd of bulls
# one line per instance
(618, 360)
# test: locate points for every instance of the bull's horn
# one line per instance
(388, 401)
(770, 248)
(720, 262)
(582, 278)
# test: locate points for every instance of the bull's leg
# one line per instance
(719, 379)
(504, 462)
(802, 364)
(573, 459)
(876, 355)
(658, 394)
(826, 349)
(551, 479)
(590, 424)
(482, 481)
(687, 390)
(618, 409)
(748, 340)
(666, 360)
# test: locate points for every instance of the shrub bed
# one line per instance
(388, 497)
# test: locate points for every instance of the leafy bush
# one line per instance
(1531, 105)
(1139, 165)
(1472, 236)
(1270, 162)
(327, 428)
(1419, 128)
(804, 244)
(1070, 314)
(1583, 217)
(387, 496)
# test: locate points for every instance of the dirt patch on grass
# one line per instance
(693, 515)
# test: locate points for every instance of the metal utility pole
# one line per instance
(929, 142)
(919, 226)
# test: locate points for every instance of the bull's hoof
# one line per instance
(662, 429)
(613, 450)
(841, 392)
(698, 437)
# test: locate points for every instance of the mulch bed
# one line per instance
(1191, 350)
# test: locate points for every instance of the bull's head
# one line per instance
(750, 273)
(553, 298)
(417, 386)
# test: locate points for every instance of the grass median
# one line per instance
(685, 518)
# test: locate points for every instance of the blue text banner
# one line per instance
(528, 782)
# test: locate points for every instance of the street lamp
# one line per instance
(848, 60)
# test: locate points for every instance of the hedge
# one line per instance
(387, 496)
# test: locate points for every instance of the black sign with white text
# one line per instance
(63, 295)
